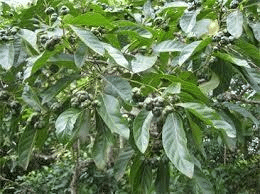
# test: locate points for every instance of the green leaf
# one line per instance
(102, 144)
(174, 88)
(188, 21)
(197, 135)
(83, 126)
(62, 59)
(88, 38)
(209, 116)
(118, 87)
(29, 39)
(65, 124)
(25, 146)
(127, 26)
(231, 59)
(6, 56)
(201, 27)
(209, 86)
(121, 162)
(31, 98)
(141, 128)
(242, 111)
(40, 61)
(117, 56)
(88, 19)
(252, 76)
(162, 176)
(55, 89)
(175, 144)
(256, 29)
(185, 54)
(142, 63)
(81, 54)
(169, 46)
(201, 183)
(235, 23)
(109, 110)
(141, 177)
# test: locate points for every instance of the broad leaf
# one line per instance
(163, 176)
(141, 177)
(208, 87)
(201, 184)
(40, 61)
(235, 23)
(62, 59)
(174, 88)
(102, 144)
(188, 21)
(90, 40)
(83, 126)
(169, 46)
(142, 63)
(256, 29)
(81, 54)
(201, 27)
(88, 19)
(231, 59)
(252, 76)
(7, 53)
(141, 128)
(118, 87)
(25, 146)
(210, 117)
(242, 111)
(197, 135)
(55, 89)
(65, 124)
(31, 98)
(117, 56)
(130, 27)
(30, 40)
(185, 54)
(121, 162)
(175, 144)
(109, 110)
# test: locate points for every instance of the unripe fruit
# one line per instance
(49, 10)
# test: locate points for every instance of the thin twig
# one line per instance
(17, 184)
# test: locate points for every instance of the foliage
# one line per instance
(146, 96)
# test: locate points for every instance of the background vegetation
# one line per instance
(121, 96)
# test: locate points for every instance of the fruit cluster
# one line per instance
(7, 34)
(222, 38)
(36, 120)
(82, 99)
(64, 10)
(49, 43)
(194, 4)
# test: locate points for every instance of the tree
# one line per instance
(151, 96)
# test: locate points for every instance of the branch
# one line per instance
(234, 97)
(17, 184)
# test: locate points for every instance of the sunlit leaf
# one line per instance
(6, 56)
(141, 128)
(235, 23)
(109, 110)
(25, 146)
(121, 162)
(65, 124)
(90, 40)
(175, 144)
(210, 117)
(118, 87)
(142, 63)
